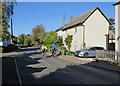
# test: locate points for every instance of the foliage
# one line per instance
(60, 41)
(112, 21)
(28, 40)
(7, 12)
(38, 33)
(68, 41)
(21, 38)
(1, 49)
(15, 40)
(50, 38)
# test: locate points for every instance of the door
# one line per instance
(92, 52)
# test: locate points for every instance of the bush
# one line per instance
(9, 48)
(1, 49)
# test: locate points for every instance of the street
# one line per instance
(33, 69)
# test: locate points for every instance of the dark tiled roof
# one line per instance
(81, 19)
(117, 3)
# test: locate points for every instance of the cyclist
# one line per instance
(54, 48)
(44, 48)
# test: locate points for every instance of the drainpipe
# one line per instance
(84, 45)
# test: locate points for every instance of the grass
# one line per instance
(1, 50)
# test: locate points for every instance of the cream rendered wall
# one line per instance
(117, 27)
(60, 33)
(77, 37)
(96, 27)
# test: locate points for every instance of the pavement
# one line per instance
(34, 69)
(100, 64)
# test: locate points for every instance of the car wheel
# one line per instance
(86, 55)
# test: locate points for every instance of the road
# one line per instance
(34, 69)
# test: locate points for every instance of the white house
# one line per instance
(117, 27)
(89, 29)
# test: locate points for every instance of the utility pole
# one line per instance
(11, 31)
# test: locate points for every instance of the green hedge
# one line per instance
(1, 49)
(9, 48)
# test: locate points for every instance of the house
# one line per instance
(89, 29)
(117, 26)
(7, 42)
(117, 29)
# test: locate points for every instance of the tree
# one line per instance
(38, 33)
(112, 21)
(68, 41)
(28, 40)
(60, 41)
(15, 40)
(21, 38)
(7, 12)
(50, 38)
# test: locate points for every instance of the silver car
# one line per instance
(91, 52)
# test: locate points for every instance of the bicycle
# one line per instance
(44, 53)
(54, 53)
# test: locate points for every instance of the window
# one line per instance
(66, 32)
(93, 48)
(75, 29)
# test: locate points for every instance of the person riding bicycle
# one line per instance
(54, 48)
(44, 48)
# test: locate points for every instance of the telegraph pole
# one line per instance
(11, 31)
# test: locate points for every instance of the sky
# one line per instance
(27, 15)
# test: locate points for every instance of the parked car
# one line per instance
(77, 52)
(90, 52)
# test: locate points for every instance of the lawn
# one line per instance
(1, 50)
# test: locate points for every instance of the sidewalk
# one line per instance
(92, 62)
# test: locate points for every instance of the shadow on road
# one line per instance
(68, 74)
(28, 49)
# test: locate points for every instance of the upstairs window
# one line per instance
(75, 29)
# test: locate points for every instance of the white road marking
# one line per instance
(20, 81)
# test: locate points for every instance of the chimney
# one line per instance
(71, 18)
(63, 21)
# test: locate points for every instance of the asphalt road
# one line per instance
(34, 70)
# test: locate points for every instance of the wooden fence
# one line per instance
(110, 56)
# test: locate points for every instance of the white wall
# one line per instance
(96, 27)
(1, 43)
(117, 27)
(77, 37)
(60, 33)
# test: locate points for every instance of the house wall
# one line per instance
(117, 27)
(60, 33)
(96, 27)
(77, 37)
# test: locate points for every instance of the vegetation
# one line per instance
(68, 41)
(25, 40)
(21, 38)
(50, 38)
(28, 40)
(7, 13)
(60, 41)
(112, 21)
(38, 34)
